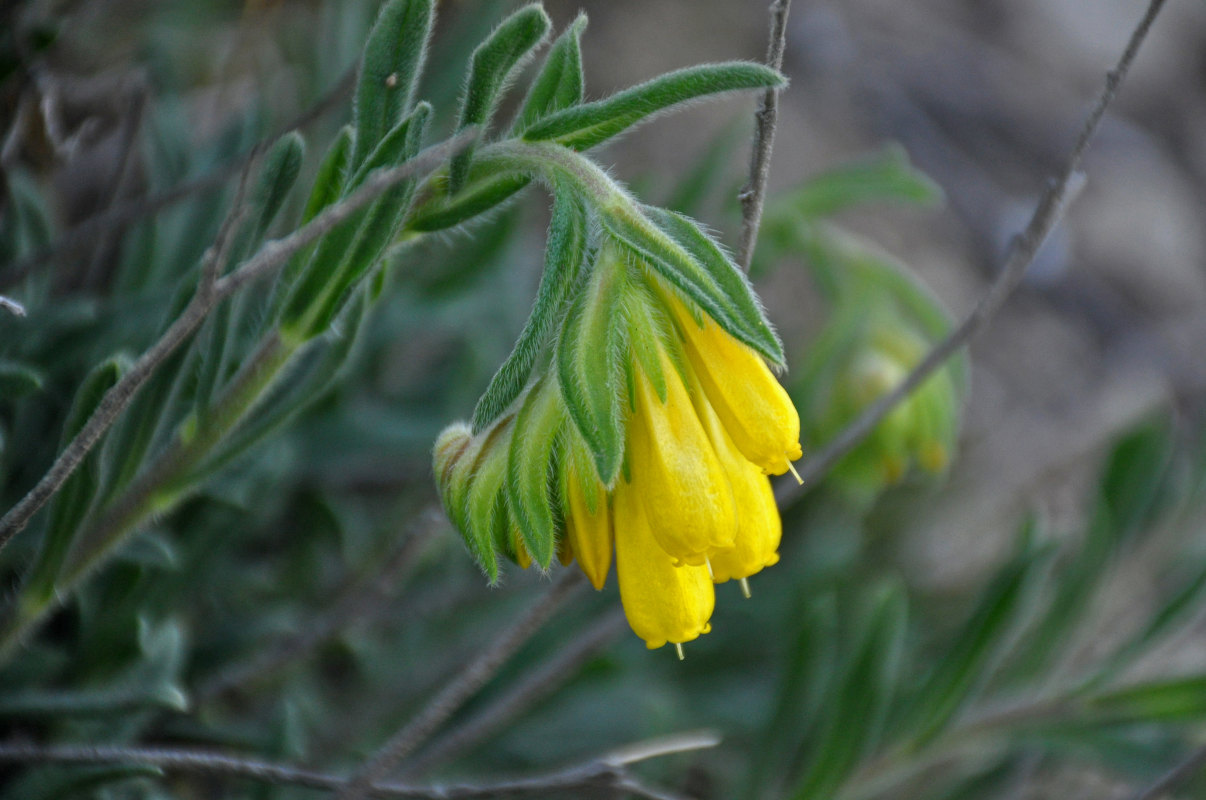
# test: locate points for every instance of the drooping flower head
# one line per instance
(638, 417)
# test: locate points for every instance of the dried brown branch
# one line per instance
(1048, 212)
(521, 697)
(604, 772)
(461, 688)
(753, 194)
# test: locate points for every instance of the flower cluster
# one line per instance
(684, 502)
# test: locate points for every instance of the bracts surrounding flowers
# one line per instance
(638, 416)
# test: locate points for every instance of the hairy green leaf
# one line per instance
(528, 484)
(589, 357)
(389, 75)
(438, 211)
(560, 83)
(584, 126)
(491, 68)
(742, 302)
(564, 256)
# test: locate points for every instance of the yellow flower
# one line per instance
(698, 420)
(758, 526)
(588, 531)
(754, 407)
(683, 487)
(663, 602)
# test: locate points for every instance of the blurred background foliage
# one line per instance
(998, 594)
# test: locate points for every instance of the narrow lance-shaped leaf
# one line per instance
(71, 503)
(589, 353)
(1170, 700)
(743, 302)
(584, 126)
(856, 709)
(281, 168)
(393, 63)
(881, 177)
(668, 258)
(491, 67)
(564, 255)
(560, 83)
(352, 247)
(438, 211)
(528, 485)
(976, 646)
(485, 490)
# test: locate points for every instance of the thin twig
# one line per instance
(606, 771)
(753, 194)
(1050, 208)
(462, 687)
(1175, 777)
(355, 604)
(117, 218)
(270, 257)
(521, 697)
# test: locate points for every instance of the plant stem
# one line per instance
(753, 194)
(158, 488)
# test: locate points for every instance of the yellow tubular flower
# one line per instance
(589, 534)
(749, 400)
(758, 526)
(682, 485)
(663, 602)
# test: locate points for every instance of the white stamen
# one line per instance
(745, 588)
(678, 648)
(708, 563)
(795, 474)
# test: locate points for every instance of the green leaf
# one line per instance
(389, 75)
(857, 707)
(678, 265)
(438, 211)
(811, 667)
(977, 646)
(880, 177)
(589, 357)
(528, 470)
(74, 498)
(1175, 700)
(564, 255)
(482, 506)
(1177, 608)
(351, 249)
(491, 68)
(559, 84)
(743, 304)
(584, 126)
(332, 173)
(18, 380)
(281, 168)
(1134, 475)
(309, 381)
